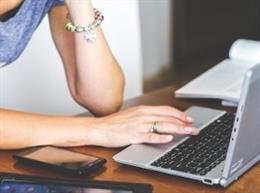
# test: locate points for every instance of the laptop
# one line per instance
(227, 146)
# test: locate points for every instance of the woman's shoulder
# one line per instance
(16, 32)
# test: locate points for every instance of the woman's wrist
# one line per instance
(81, 12)
(68, 131)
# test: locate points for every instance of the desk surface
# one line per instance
(248, 183)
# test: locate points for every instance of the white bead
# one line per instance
(90, 36)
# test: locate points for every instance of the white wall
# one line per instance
(122, 28)
(156, 25)
(36, 81)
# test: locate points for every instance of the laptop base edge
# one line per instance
(226, 182)
(202, 179)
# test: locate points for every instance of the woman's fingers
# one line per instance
(166, 127)
(152, 138)
(165, 124)
(164, 111)
(156, 118)
(161, 136)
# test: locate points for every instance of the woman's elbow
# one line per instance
(101, 106)
(107, 107)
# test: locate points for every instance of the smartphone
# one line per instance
(60, 159)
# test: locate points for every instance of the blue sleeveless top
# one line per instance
(16, 32)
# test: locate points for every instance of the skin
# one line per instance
(85, 64)
(7, 5)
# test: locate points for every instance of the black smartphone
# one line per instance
(60, 159)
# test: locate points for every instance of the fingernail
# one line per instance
(189, 119)
(191, 130)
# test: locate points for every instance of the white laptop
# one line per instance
(227, 146)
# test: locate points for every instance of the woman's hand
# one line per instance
(133, 126)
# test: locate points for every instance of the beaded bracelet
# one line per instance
(89, 31)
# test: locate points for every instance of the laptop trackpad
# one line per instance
(203, 116)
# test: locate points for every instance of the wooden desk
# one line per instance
(248, 183)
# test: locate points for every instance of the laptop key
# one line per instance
(203, 172)
(196, 170)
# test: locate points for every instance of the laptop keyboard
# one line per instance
(199, 154)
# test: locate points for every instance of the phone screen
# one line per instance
(60, 157)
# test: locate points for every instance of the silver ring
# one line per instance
(154, 127)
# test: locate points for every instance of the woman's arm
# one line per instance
(131, 126)
(94, 77)
(6, 6)
(20, 129)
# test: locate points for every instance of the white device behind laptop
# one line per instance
(243, 147)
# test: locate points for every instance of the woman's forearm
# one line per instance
(98, 75)
(18, 130)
